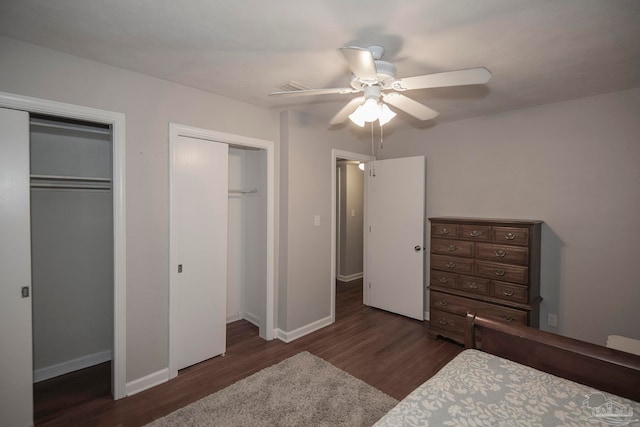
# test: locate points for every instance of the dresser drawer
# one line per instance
(474, 284)
(447, 263)
(441, 278)
(508, 273)
(502, 253)
(452, 247)
(510, 292)
(475, 232)
(446, 321)
(456, 305)
(444, 230)
(505, 314)
(449, 303)
(514, 235)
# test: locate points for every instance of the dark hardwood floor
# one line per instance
(388, 351)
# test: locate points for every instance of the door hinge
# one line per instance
(24, 291)
(179, 268)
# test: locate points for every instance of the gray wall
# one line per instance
(574, 165)
(149, 105)
(305, 250)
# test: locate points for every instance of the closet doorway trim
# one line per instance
(117, 122)
(175, 131)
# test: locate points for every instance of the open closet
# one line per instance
(62, 262)
(72, 245)
(247, 228)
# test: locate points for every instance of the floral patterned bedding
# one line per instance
(479, 389)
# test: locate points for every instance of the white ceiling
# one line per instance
(539, 51)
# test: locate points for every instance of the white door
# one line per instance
(395, 193)
(16, 367)
(200, 191)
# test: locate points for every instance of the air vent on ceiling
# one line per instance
(292, 86)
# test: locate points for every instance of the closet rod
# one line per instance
(67, 126)
(234, 191)
(70, 186)
(70, 182)
(68, 178)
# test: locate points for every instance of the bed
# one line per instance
(516, 375)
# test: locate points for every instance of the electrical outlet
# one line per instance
(552, 320)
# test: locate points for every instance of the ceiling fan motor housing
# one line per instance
(386, 75)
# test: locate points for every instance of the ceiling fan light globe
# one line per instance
(356, 117)
(370, 110)
(385, 114)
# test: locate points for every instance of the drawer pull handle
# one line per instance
(443, 321)
(508, 319)
(452, 248)
(500, 253)
(451, 264)
(444, 231)
(475, 233)
(510, 236)
(507, 292)
(443, 280)
(443, 302)
(473, 285)
(500, 272)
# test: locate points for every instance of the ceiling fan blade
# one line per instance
(343, 114)
(307, 92)
(361, 63)
(471, 76)
(409, 106)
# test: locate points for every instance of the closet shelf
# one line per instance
(70, 182)
(70, 126)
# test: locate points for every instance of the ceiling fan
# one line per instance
(377, 80)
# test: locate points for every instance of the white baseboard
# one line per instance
(53, 371)
(304, 330)
(426, 315)
(234, 317)
(252, 318)
(350, 277)
(146, 382)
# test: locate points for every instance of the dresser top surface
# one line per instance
(501, 221)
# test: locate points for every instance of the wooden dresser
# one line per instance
(489, 266)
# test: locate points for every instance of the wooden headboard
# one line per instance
(600, 367)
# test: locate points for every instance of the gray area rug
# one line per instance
(302, 390)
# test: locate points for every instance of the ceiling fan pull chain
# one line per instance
(373, 153)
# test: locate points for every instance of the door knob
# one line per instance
(417, 248)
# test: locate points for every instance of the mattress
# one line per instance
(480, 389)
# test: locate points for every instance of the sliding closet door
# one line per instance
(16, 399)
(199, 178)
